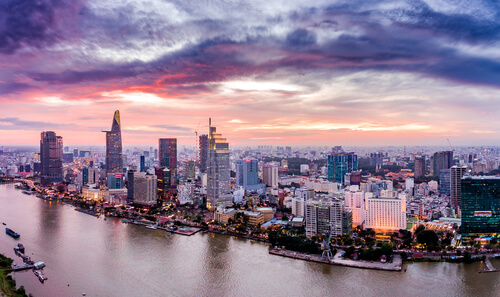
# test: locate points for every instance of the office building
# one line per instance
(114, 157)
(51, 154)
(441, 160)
(167, 148)
(456, 174)
(218, 170)
(445, 181)
(247, 175)
(339, 164)
(480, 205)
(203, 152)
(419, 167)
(270, 174)
(166, 189)
(144, 189)
(142, 164)
(115, 181)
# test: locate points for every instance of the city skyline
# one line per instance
(391, 73)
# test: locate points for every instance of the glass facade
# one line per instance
(114, 157)
(340, 164)
(480, 206)
(51, 154)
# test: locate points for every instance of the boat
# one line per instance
(19, 247)
(152, 227)
(3, 224)
(39, 265)
(40, 275)
(12, 233)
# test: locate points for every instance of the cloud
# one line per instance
(10, 88)
(17, 124)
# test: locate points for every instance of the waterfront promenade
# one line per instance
(395, 265)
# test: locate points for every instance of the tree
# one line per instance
(428, 238)
(420, 228)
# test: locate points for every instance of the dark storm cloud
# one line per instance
(11, 88)
(31, 23)
(408, 36)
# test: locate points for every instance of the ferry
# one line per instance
(12, 233)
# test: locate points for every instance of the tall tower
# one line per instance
(114, 156)
(168, 153)
(51, 153)
(456, 173)
(218, 177)
(203, 152)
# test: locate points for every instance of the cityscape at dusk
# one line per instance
(279, 72)
(249, 148)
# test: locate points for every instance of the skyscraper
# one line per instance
(51, 154)
(247, 174)
(168, 153)
(339, 164)
(419, 167)
(203, 151)
(441, 160)
(114, 158)
(480, 206)
(456, 174)
(218, 177)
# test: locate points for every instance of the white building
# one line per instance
(386, 214)
(270, 174)
(355, 201)
(145, 189)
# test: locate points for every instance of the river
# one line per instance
(84, 254)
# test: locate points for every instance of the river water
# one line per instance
(84, 254)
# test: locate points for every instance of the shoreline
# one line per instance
(396, 265)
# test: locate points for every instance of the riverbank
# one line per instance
(7, 283)
(395, 265)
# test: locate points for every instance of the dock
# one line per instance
(89, 212)
(22, 267)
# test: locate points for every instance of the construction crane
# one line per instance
(452, 149)
(196, 148)
(325, 246)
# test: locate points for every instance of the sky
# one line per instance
(266, 72)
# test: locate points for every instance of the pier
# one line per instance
(489, 267)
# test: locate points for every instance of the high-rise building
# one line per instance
(456, 173)
(218, 170)
(167, 148)
(51, 154)
(247, 174)
(386, 214)
(321, 215)
(444, 181)
(270, 174)
(480, 205)
(114, 158)
(376, 159)
(145, 188)
(441, 160)
(115, 181)
(142, 164)
(190, 169)
(203, 151)
(419, 167)
(355, 201)
(339, 164)
(164, 183)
